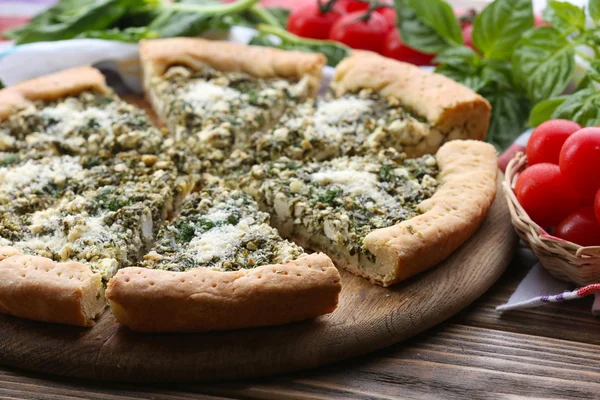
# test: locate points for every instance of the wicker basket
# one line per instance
(564, 260)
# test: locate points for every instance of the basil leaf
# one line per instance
(500, 25)
(543, 63)
(69, 18)
(571, 15)
(582, 107)
(594, 10)
(468, 74)
(2, 85)
(439, 15)
(544, 110)
(415, 33)
(499, 72)
(550, 16)
(457, 55)
(509, 113)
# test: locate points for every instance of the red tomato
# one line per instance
(390, 15)
(348, 6)
(580, 162)
(545, 194)
(308, 21)
(351, 30)
(396, 49)
(597, 206)
(547, 139)
(467, 34)
(580, 227)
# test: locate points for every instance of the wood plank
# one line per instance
(451, 361)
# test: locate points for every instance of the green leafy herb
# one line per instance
(132, 34)
(594, 10)
(2, 85)
(69, 18)
(276, 37)
(500, 25)
(330, 196)
(429, 26)
(544, 63)
(544, 110)
(186, 232)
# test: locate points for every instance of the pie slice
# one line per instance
(68, 225)
(219, 265)
(376, 103)
(214, 95)
(72, 112)
(381, 219)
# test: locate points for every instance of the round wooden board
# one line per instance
(368, 318)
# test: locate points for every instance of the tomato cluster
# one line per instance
(362, 24)
(561, 186)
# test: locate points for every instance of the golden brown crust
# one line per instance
(51, 87)
(468, 173)
(201, 299)
(448, 106)
(38, 288)
(264, 62)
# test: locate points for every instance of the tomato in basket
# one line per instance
(580, 162)
(547, 139)
(580, 227)
(545, 194)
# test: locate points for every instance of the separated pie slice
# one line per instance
(72, 112)
(376, 103)
(219, 265)
(381, 219)
(214, 95)
(57, 254)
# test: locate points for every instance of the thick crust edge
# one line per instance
(446, 104)
(40, 289)
(201, 299)
(468, 175)
(51, 87)
(159, 54)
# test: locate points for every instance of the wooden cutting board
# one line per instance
(368, 318)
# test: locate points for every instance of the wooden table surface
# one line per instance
(549, 352)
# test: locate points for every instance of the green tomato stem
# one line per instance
(218, 9)
(291, 38)
(264, 15)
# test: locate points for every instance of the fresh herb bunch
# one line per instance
(518, 68)
(131, 20)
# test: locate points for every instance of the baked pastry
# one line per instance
(213, 95)
(379, 218)
(219, 265)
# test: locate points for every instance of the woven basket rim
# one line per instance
(563, 259)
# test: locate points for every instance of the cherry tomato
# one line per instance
(547, 139)
(597, 205)
(348, 6)
(390, 15)
(357, 33)
(467, 34)
(308, 21)
(396, 49)
(545, 194)
(579, 162)
(580, 227)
